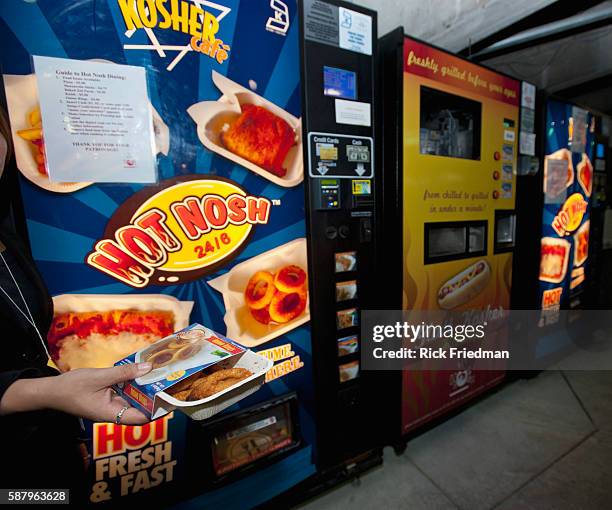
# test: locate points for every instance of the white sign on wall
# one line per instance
(97, 121)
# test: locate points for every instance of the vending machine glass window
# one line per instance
(505, 224)
(450, 125)
(478, 237)
(445, 241)
(453, 241)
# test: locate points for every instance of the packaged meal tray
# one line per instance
(195, 370)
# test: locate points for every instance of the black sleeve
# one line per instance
(8, 378)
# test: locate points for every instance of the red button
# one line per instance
(496, 156)
(496, 175)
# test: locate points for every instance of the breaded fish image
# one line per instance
(216, 382)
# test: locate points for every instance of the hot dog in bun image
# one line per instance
(464, 286)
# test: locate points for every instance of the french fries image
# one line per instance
(34, 135)
(35, 117)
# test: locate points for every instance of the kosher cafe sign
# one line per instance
(198, 21)
(178, 231)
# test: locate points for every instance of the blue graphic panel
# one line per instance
(565, 220)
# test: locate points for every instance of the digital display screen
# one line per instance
(600, 150)
(330, 182)
(339, 83)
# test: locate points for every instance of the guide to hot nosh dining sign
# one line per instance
(97, 119)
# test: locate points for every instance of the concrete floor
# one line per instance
(544, 443)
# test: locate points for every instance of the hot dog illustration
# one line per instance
(464, 286)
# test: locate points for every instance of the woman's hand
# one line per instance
(83, 392)
(86, 393)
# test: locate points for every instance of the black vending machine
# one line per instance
(339, 97)
(337, 60)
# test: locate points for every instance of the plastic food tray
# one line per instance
(208, 407)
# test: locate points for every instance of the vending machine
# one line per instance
(554, 205)
(339, 45)
(257, 222)
(567, 189)
(450, 135)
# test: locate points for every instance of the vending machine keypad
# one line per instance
(328, 194)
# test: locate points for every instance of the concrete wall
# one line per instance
(451, 24)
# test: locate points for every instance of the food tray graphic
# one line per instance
(212, 117)
(240, 324)
(101, 303)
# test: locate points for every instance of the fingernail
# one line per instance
(144, 367)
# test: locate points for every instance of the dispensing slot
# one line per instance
(446, 241)
(505, 225)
